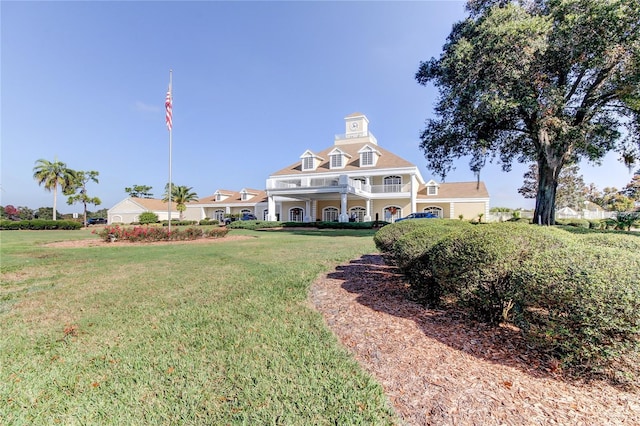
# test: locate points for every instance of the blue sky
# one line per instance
(255, 84)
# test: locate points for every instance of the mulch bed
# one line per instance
(438, 369)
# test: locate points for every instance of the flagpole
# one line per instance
(169, 107)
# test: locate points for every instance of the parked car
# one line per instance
(245, 216)
(96, 221)
(420, 215)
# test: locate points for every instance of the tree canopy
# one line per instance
(139, 191)
(53, 175)
(545, 81)
(77, 191)
(180, 195)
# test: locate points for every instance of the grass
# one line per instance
(177, 334)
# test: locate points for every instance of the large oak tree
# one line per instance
(544, 81)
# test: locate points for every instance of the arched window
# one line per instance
(330, 214)
(245, 211)
(296, 214)
(391, 213)
(356, 214)
(392, 184)
(435, 210)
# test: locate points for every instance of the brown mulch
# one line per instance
(437, 369)
(101, 243)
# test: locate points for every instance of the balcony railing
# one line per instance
(394, 187)
(332, 182)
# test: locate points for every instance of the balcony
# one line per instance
(335, 183)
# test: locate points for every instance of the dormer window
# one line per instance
(218, 196)
(309, 161)
(432, 188)
(336, 161)
(368, 156)
(244, 196)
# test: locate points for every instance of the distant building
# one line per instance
(352, 179)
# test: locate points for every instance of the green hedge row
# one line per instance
(39, 224)
(575, 295)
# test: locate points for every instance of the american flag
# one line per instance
(168, 103)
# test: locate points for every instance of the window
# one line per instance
(392, 213)
(434, 210)
(330, 214)
(219, 215)
(336, 161)
(307, 163)
(245, 211)
(432, 190)
(366, 158)
(356, 214)
(392, 184)
(244, 196)
(296, 214)
(218, 197)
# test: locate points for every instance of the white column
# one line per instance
(307, 211)
(271, 207)
(452, 211)
(414, 193)
(367, 213)
(344, 217)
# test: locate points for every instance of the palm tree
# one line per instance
(51, 175)
(180, 195)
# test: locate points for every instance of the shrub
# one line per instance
(216, 232)
(40, 224)
(179, 222)
(627, 242)
(253, 224)
(474, 266)
(596, 224)
(152, 233)
(583, 303)
(386, 237)
(148, 217)
(623, 220)
(411, 245)
(207, 221)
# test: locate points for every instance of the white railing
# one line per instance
(285, 184)
(335, 181)
(394, 187)
(323, 182)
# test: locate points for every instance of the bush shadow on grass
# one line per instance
(384, 289)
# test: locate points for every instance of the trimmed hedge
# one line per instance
(386, 237)
(475, 266)
(39, 224)
(583, 303)
(573, 292)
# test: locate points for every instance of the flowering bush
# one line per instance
(217, 232)
(154, 233)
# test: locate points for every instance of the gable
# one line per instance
(386, 160)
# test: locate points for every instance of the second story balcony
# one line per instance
(336, 184)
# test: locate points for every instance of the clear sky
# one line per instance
(255, 84)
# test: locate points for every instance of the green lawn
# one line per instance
(217, 333)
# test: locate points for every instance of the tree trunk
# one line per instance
(546, 198)
(55, 201)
